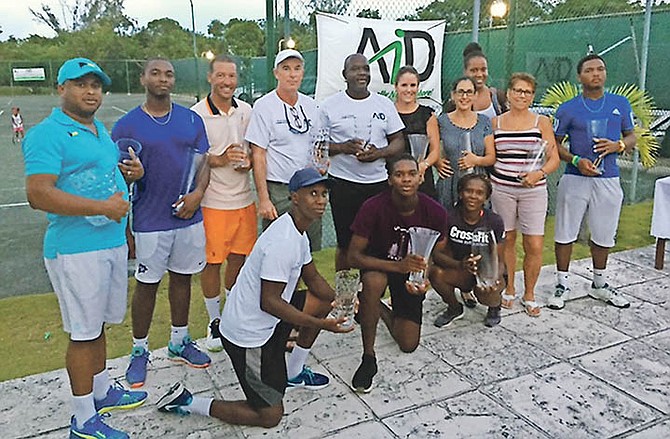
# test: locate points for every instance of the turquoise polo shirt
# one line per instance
(86, 165)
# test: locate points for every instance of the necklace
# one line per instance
(167, 121)
(599, 109)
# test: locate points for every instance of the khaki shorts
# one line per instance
(92, 289)
(599, 199)
(229, 231)
(180, 251)
(522, 209)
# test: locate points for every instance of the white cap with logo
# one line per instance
(286, 54)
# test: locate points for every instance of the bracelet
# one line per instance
(544, 174)
(425, 162)
(575, 160)
(622, 146)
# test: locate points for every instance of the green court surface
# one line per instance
(22, 228)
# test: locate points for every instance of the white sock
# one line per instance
(101, 384)
(598, 278)
(563, 278)
(142, 343)
(177, 334)
(296, 360)
(200, 405)
(213, 307)
(84, 408)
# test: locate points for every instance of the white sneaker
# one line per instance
(557, 301)
(609, 295)
(213, 344)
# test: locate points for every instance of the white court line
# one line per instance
(121, 110)
(2, 206)
(2, 112)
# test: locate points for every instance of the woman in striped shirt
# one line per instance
(519, 178)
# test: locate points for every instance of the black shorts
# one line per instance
(346, 198)
(404, 305)
(261, 371)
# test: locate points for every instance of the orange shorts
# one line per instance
(229, 231)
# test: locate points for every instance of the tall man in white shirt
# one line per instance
(365, 129)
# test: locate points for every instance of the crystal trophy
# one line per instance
(465, 147)
(91, 184)
(363, 131)
(238, 144)
(347, 285)
(195, 162)
(484, 244)
(421, 243)
(596, 129)
(418, 145)
(535, 158)
(124, 145)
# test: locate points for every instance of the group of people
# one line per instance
(193, 210)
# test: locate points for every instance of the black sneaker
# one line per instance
(492, 316)
(362, 381)
(449, 316)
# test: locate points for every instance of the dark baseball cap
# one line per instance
(306, 177)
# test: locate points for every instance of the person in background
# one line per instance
(228, 209)
(17, 125)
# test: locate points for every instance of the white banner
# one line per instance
(388, 45)
(29, 74)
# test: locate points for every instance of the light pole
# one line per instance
(497, 10)
(195, 56)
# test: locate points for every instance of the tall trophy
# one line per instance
(347, 283)
(195, 163)
(535, 158)
(596, 129)
(484, 244)
(465, 147)
(421, 242)
(418, 145)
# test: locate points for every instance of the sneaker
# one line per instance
(609, 295)
(119, 398)
(492, 316)
(136, 374)
(213, 341)
(557, 301)
(175, 400)
(362, 380)
(187, 352)
(94, 428)
(308, 379)
(447, 317)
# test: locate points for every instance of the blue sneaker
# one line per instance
(308, 379)
(188, 352)
(119, 398)
(176, 400)
(94, 428)
(136, 374)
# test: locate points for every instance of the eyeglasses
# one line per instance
(522, 92)
(460, 92)
(300, 124)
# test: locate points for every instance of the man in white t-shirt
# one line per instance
(365, 129)
(280, 135)
(262, 308)
(228, 209)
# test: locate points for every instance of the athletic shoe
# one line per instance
(118, 398)
(609, 295)
(362, 380)
(557, 301)
(492, 316)
(94, 428)
(136, 374)
(308, 379)
(449, 316)
(176, 400)
(213, 341)
(188, 352)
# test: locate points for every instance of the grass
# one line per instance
(32, 336)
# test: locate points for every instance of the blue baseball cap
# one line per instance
(306, 177)
(77, 67)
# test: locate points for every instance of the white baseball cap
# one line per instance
(286, 54)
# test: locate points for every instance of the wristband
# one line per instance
(622, 146)
(575, 160)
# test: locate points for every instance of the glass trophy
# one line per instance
(421, 243)
(535, 158)
(597, 129)
(418, 145)
(124, 145)
(347, 285)
(484, 244)
(465, 147)
(238, 143)
(363, 131)
(90, 184)
(196, 160)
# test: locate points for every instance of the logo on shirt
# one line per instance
(616, 111)
(141, 268)
(380, 116)
(468, 236)
(398, 249)
(73, 133)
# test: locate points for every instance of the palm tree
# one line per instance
(640, 101)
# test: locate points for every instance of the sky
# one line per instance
(15, 18)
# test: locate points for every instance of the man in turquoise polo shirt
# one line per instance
(73, 173)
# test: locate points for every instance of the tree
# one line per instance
(216, 28)
(369, 13)
(81, 14)
(165, 37)
(338, 7)
(244, 38)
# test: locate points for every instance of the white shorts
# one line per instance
(180, 251)
(599, 198)
(92, 289)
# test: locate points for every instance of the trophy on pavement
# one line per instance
(347, 283)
